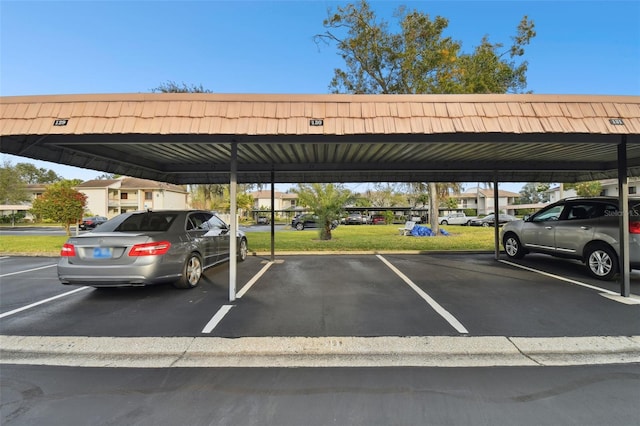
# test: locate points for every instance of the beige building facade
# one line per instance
(110, 197)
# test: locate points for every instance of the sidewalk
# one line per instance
(420, 351)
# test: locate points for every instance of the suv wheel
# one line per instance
(512, 246)
(601, 261)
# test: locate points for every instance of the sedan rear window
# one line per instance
(147, 222)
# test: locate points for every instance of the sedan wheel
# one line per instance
(602, 262)
(191, 272)
(299, 226)
(242, 250)
(486, 224)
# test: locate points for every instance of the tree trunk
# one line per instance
(433, 208)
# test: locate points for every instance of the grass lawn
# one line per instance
(345, 238)
(373, 237)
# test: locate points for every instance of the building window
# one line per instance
(632, 190)
(148, 196)
(124, 196)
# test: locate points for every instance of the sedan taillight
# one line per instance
(634, 227)
(68, 250)
(150, 249)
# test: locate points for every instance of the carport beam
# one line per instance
(273, 217)
(623, 197)
(233, 260)
(496, 219)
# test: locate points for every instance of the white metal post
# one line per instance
(233, 261)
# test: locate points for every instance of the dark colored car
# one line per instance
(587, 229)
(309, 221)
(490, 219)
(148, 247)
(91, 222)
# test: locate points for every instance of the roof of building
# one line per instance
(131, 183)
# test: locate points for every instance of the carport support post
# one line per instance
(233, 260)
(623, 197)
(273, 216)
(496, 222)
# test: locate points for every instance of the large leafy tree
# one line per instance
(31, 174)
(419, 59)
(533, 192)
(326, 200)
(60, 203)
(585, 189)
(12, 187)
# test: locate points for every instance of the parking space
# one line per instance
(330, 295)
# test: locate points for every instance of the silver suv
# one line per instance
(586, 229)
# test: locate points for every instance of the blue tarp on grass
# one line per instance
(423, 231)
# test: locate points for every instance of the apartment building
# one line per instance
(110, 197)
(282, 200)
(482, 200)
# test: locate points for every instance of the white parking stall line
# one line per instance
(27, 270)
(224, 310)
(24, 308)
(435, 305)
(253, 280)
(558, 277)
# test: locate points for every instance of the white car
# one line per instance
(456, 219)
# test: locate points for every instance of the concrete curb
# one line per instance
(388, 351)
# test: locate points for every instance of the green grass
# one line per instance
(32, 244)
(378, 238)
(345, 238)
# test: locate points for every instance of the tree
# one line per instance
(588, 189)
(173, 87)
(60, 203)
(327, 200)
(12, 187)
(419, 59)
(30, 174)
(533, 193)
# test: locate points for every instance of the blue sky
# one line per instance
(68, 47)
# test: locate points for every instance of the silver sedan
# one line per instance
(148, 247)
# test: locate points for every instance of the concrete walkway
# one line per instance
(437, 351)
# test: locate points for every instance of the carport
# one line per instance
(193, 138)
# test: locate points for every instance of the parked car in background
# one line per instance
(378, 219)
(490, 219)
(148, 247)
(456, 219)
(580, 228)
(91, 222)
(305, 221)
(355, 219)
(264, 220)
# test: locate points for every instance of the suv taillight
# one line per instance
(68, 250)
(150, 249)
(634, 227)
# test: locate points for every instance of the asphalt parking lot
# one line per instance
(330, 295)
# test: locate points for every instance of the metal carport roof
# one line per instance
(186, 137)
